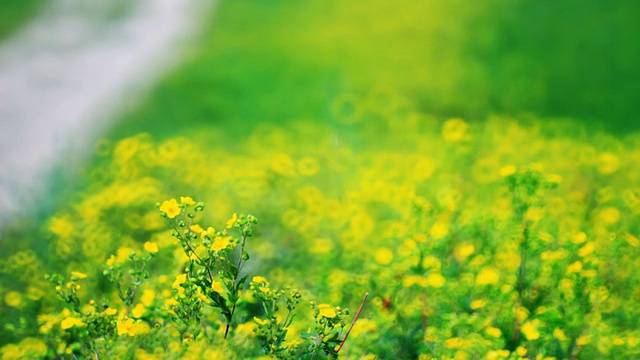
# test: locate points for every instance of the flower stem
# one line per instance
(353, 322)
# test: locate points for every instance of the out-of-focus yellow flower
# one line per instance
(260, 280)
(70, 322)
(79, 275)
(110, 311)
(383, 256)
(554, 178)
(487, 276)
(463, 251)
(435, 280)
(13, 299)
(410, 280)
(321, 246)
(202, 298)
(530, 330)
(439, 230)
(171, 208)
(111, 260)
(584, 340)
(197, 228)
(151, 247)
(232, 221)
(579, 238)
(521, 350)
(453, 343)
(609, 215)
(147, 297)
(508, 170)
(454, 130)
(217, 287)
(493, 331)
(587, 249)
(478, 303)
(607, 163)
(560, 335)
(187, 200)
(631, 240)
(575, 267)
(138, 311)
(554, 255)
(260, 321)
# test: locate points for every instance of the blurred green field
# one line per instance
(473, 166)
(14, 13)
(275, 61)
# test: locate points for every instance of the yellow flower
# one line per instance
(607, 163)
(554, 178)
(202, 298)
(383, 256)
(530, 330)
(187, 200)
(138, 311)
(454, 130)
(453, 343)
(13, 299)
(326, 311)
(477, 304)
(197, 228)
(151, 247)
(69, 322)
(579, 238)
(260, 280)
(493, 331)
(560, 335)
(180, 279)
(171, 208)
(463, 251)
(487, 276)
(209, 232)
(217, 287)
(147, 297)
(584, 340)
(435, 280)
(587, 249)
(111, 260)
(609, 215)
(220, 243)
(232, 221)
(439, 230)
(575, 267)
(260, 321)
(521, 350)
(110, 311)
(508, 170)
(79, 275)
(631, 240)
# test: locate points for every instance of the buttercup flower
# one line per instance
(171, 208)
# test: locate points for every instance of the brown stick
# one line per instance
(353, 323)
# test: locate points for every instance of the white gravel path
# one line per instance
(68, 72)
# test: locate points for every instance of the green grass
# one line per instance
(275, 61)
(14, 13)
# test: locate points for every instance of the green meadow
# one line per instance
(322, 179)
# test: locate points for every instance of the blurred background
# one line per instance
(73, 72)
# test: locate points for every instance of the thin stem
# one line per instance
(235, 286)
(353, 322)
